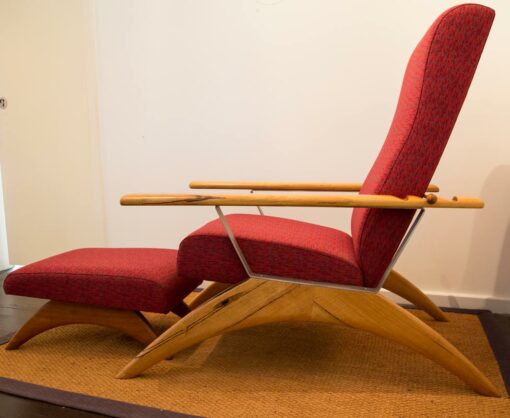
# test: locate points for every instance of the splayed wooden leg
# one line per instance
(399, 285)
(256, 302)
(380, 316)
(55, 314)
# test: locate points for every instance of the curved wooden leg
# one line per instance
(399, 285)
(212, 290)
(256, 302)
(55, 314)
(377, 314)
(248, 304)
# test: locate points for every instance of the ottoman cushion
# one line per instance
(141, 279)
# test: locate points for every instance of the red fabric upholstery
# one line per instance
(435, 85)
(141, 279)
(276, 246)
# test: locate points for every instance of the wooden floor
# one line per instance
(13, 312)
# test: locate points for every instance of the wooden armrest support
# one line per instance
(279, 186)
(353, 201)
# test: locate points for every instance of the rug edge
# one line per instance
(104, 406)
(499, 343)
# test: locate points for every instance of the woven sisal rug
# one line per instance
(288, 370)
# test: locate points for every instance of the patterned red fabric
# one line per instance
(141, 279)
(276, 246)
(435, 85)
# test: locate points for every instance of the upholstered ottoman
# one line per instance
(101, 286)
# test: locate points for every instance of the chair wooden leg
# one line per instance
(256, 302)
(247, 304)
(399, 285)
(212, 290)
(55, 314)
(377, 314)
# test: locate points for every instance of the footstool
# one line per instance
(101, 286)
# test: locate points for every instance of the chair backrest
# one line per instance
(435, 85)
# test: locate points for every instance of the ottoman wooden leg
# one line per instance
(55, 314)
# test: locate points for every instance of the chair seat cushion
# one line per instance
(141, 279)
(271, 245)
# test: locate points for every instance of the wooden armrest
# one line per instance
(353, 201)
(280, 186)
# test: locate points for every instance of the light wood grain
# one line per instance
(247, 304)
(55, 314)
(399, 285)
(284, 185)
(354, 201)
(378, 315)
(395, 283)
(255, 302)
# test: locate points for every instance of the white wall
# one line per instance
(4, 251)
(296, 90)
(49, 148)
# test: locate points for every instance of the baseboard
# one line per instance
(451, 300)
(462, 300)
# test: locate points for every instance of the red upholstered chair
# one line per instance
(269, 269)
